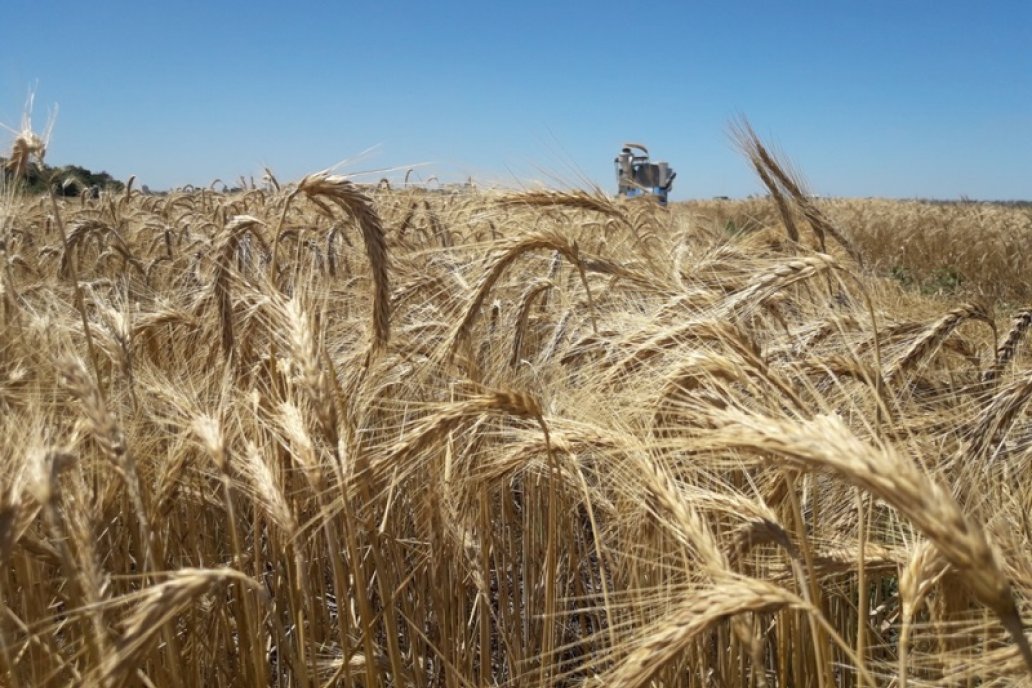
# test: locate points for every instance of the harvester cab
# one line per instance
(636, 175)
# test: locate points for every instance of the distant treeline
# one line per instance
(972, 201)
(963, 200)
(67, 180)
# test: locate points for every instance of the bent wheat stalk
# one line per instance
(996, 419)
(826, 444)
(225, 251)
(696, 614)
(1006, 351)
(504, 258)
(934, 335)
(322, 188)
(778, 277)
(574, 200)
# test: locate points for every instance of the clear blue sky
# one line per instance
(887, 98)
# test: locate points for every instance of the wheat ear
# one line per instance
(322, 188)
(1006, 351)
(502, 259)
(692, 616)
(994, 421)
(933, 336)
(778, 277)
(533, 289)
(574, 200)
(825, 444)
(776, 176)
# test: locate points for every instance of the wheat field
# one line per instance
(322, 434)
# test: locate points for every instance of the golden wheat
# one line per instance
(528, 439)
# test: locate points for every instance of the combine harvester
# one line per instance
(637, 176)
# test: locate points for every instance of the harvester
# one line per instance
(636, 175)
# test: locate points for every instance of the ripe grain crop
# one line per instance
(317, 433)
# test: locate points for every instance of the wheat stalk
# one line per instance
(1008, 348)
(533, 289)
(574, 200)
(504, 257)
(933, 337)
(773, 175)
(324, 187)
(824, 443)
(692, 616)
(996, 419)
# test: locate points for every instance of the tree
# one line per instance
(68, 180)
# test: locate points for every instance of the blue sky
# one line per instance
(875, 98)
